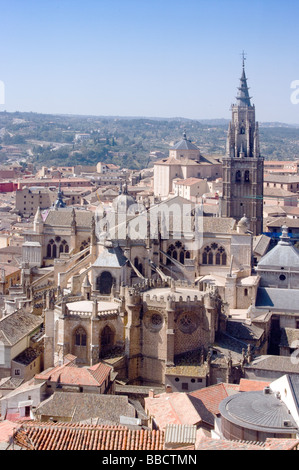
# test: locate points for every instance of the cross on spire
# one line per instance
(243, 58)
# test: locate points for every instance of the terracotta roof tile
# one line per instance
(209, 398)
(70, 374)
(172, 408)
(7, 429)
(47, 436)
(247, 385)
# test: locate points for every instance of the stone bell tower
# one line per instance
(243, 166)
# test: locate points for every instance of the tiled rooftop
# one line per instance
(38, 436)
(70, 374)
(206, 400)
(172, 408)
(78, 407)
(17, 325)
(247, 385)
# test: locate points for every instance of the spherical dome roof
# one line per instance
(122, 202)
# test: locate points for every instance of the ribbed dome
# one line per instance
(184, 144)
(122, 202)
(284, 254)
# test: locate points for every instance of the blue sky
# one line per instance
(148, 57)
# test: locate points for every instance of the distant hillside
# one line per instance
(126, 141)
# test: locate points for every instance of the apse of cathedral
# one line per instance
(149, 288)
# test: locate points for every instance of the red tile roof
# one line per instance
(221, 444)
(100, 372)
(46, 436)
(212, 396)
(171, 408)
(282, 444)
(15, 417)
(7, 428)
(247, 385)
(70, 374)
(192, 408)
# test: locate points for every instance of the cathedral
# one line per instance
(144, 287)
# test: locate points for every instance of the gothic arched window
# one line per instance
(84, 244)
(64, 248)
(247, 177)
(214, 255)
(178, 252)
(51, 249)
(80, 337)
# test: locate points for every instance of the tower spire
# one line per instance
(243, 98)
(243, 167)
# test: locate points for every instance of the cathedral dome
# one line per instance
(123, 201)
(185, 144)
(283, 255)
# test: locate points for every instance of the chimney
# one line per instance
(151, 393)
(168, 389)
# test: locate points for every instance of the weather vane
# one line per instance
(243, 58)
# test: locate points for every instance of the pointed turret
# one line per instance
(38, 222)
(243, 98)
(86, 288)
(59, 201)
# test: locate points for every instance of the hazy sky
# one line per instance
(163, 58)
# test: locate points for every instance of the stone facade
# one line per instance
(150, 328)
